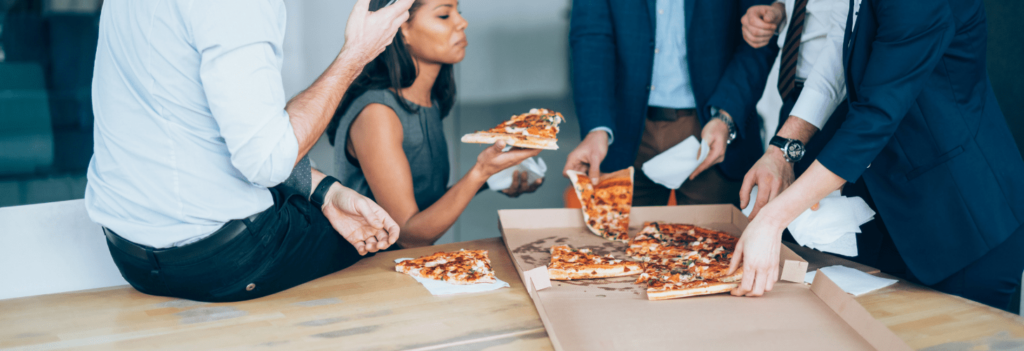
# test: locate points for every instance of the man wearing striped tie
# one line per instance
(802, 27)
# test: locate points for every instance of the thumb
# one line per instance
(737, 257)
(362, 6)
(769, 16)
(369, 215)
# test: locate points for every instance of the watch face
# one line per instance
(795, 151)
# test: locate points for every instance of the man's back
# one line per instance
(190, 124)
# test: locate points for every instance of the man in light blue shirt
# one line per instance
(193, 136)
(648, 75)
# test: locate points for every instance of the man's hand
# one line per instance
(771, 174)
(761, 22)
(758, 251)
(368, 33)
(587, 157)
(716, 133)
(359, 220)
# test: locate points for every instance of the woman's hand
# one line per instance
(492, 160)
(359, 220)
(521, 185)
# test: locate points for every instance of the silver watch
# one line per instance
(716, 114)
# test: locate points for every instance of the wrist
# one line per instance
(597, 136)
(478, 175)
(775, 153)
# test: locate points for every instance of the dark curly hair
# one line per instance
(394, 69)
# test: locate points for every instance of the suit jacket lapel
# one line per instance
(848, 36)
(651, 6)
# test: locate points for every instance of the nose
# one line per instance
(462, 24)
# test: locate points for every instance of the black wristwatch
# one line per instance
(792, 149)
(717, 114)
(321, 191)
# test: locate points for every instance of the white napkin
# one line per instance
(851, 280)
(437, 287)
(672, 167)
(534, 168)
(833, 227)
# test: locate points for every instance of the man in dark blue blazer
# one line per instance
(649, 74)
(925, 133)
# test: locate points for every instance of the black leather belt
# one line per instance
(189, 252)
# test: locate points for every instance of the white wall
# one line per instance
(517, 49)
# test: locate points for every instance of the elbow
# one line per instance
(268, 172)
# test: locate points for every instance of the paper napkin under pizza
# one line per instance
(833, 227)
(534, 168)
(437, 287)
(673, 167)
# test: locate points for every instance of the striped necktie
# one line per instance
(790, 50)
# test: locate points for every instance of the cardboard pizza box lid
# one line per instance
(615, 313)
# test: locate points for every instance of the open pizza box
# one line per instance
(615, 314)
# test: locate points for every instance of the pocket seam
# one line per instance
(942, 159)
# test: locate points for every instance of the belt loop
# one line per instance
(152, 259)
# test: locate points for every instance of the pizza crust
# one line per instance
(584, 194)
(711, 289)
(513, 140)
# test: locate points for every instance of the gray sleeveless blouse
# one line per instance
(423, 142)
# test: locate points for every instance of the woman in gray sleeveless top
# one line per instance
(388, 140)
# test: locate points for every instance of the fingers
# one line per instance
(816, 206)
(773, 276)
(399, 7)
(763, 193)
(392, 228)
(714, 157)
(747, 283)
(514, 188)
(595, 168)
(369, 213)
(759, 283)
(737, 257)
(370, 244)
(746, 188)
(360, 247)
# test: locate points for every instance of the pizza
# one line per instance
(606, 205)
(668, 239)
(682, 260)
(537, 129)
(462, 267)
(570, 264)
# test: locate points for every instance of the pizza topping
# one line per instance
(568, 264)
(606, 204)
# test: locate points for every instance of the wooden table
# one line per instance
(369, 306)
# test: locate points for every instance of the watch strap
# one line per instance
(779, 142)
(321, 191)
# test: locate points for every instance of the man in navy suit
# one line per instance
(648, 75)
(926, 135)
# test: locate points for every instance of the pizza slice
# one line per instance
(606, 205)
(462, 267)
(571, 264)
(537, 129)
(661, 239)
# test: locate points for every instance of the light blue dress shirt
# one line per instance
(190, 126)
(670, 80)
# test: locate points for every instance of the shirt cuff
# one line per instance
(283, 157)
(611, 136)
(814, 107)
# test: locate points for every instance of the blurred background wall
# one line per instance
(517, 59)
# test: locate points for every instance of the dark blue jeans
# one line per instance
(289, 244)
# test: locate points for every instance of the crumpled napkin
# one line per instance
(534, 168)
(833, 227)
(851, 280)
(673, 167)
(437, 287)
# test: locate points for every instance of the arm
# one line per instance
(912, 37)
(241, 44)
(735, 96)
(377, 142)
(823, 91)
(592, 45)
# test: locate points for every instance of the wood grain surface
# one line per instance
(369, 306)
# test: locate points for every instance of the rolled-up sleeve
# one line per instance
(241, 43)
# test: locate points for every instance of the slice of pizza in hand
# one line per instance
(462, 267)
(606, 205)
(571, 264)
(537, 129)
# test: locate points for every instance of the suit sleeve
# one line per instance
(592, 47)
(911, 39)
(743, 82)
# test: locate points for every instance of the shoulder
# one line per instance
(379, 121)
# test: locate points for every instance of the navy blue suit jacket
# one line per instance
(612, 43)
(925, 132)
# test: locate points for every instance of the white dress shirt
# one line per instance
(190, 126)
(822, 20)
